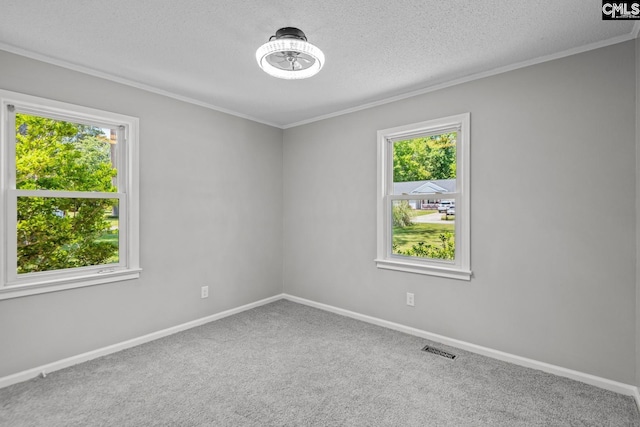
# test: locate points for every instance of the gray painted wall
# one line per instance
(637, 212)
(211, 214)
(553, 214)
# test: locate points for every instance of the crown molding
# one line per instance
(476, 76)
(132, 83)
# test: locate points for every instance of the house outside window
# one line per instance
(423, 221)
(69, 203)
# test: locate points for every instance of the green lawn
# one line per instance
(420, 212)
(406, 237)
(109, 237)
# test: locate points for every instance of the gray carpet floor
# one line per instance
(286, 364)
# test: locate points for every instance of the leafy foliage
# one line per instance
(58, 232)
(446, 250)
(419, 159)
(403, 214)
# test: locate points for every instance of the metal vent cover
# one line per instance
(439, 352)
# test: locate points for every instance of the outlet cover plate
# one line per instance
(410, 299)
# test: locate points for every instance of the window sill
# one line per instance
(45, 286)
(418, 268)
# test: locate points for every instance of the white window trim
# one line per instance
(461, 267)
(13, 286)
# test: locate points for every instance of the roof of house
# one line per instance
(424, 187)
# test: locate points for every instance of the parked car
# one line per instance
(451, 210)
(444, 206)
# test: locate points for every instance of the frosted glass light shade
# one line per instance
(290, 58)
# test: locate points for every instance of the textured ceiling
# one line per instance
(203, 50)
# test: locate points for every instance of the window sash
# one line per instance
(12, 276)
(389, 226)
(388, 167)
(432, 131)
(120, 151)
(423, 196)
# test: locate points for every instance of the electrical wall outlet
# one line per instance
(410, 299)
(204, 292)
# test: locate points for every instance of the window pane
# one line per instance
(424, 233)
(58, 155)
(56, 233)
(425, 165)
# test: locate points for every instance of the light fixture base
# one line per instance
(289, 32)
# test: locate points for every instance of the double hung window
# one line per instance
(69, 205)
(423, 198)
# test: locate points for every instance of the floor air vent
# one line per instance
(442, 353)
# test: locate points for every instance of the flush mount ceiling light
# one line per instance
(288, 55)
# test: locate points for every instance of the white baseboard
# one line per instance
(618, 387)
(74, 360)
(604, 383)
